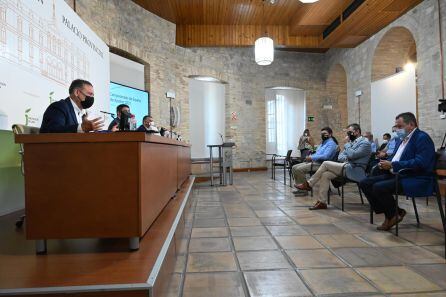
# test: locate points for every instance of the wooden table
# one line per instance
(99, 185)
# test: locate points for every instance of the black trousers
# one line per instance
(379, 190)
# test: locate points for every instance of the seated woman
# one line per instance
(148, 126)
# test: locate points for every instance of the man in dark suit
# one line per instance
(69, 115)
(416, 151)
(148, 126)
(114, 125)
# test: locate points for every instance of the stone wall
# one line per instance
(125, 26)
(422, 22)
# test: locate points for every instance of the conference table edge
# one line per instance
(97, 137)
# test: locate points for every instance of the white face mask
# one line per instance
(152, 123)
(385, 141)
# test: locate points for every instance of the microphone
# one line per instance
(221, 136)
(109, 113)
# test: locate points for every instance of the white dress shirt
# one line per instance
(402, 146)
(154, 129)
(79, 114)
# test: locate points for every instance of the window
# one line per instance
(31, 51)
(2, 14)
(285, 119)
(271, 121)
(207, 116)
(2, 34)
(20, 45)
(281, 124)
(19, 25)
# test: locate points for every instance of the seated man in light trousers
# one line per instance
(325, 152)
(354, 157)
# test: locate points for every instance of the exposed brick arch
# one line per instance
(396, 48)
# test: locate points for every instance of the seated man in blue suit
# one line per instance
(416, 151)
(69, 115)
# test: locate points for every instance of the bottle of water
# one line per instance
(132, 122)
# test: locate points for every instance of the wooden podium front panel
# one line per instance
(158, 183)
(78, 190)
(184, 164)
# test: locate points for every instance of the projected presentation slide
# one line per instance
(138, 100)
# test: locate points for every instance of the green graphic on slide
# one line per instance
(51, 97)
(27, 116)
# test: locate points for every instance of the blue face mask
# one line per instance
(402, 133)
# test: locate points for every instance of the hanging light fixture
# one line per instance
(308, 1)
(264, 51)
(264, 48)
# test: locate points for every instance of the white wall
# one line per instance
(391, 96)
(207, 115)
(126, 72)
(294, 113)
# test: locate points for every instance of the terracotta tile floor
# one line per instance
(255, 238)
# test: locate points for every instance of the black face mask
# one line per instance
(324, 137)
(351, 136)
(88, 102)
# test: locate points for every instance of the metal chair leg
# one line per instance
(371, 215)
(360, 194)
(342, 197)
(416, 212)
(284, 174)
(41, 246)
(396, 214)
(442, 211)
(427, 201)
(134, 243)
(328, 196)
(339, 192)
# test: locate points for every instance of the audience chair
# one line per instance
(431, 188)
(281, 161)
(22, 129)
(342, 180)
(293, 161)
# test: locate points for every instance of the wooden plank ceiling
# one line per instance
(292, 24)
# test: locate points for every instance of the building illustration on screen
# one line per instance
(36, 45)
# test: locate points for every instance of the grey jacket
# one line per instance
(357, 155)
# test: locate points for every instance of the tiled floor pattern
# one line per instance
(256, 239)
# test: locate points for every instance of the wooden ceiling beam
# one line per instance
(289, 22)
(319, 14)
(240, 36)
(369, 18)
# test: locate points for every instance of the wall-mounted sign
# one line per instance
(310, 118)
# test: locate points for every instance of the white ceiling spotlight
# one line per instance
(272, 2)
(308, 1)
